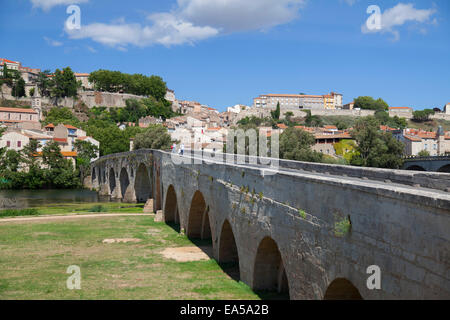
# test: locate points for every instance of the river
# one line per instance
(41, 198)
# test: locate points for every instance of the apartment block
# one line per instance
(299, 101)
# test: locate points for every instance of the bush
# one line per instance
(18, 212)
(98, 208)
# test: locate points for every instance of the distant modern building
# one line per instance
(299, 101)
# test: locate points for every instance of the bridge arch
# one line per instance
(112, 181)
(268, 271)
(199, 226)
(342, 289)
(415, 168)
(171, 213)
(124, 181)
(228, 251)
(94, 174)
(142, 184)
(445, 168)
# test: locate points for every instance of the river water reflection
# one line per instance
(41, 198)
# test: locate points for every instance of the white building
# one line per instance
(299, 101)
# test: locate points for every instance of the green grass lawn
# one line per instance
(34, 257)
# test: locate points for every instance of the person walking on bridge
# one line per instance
(174, 148)
(182, 149)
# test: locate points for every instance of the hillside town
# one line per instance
(199, 126)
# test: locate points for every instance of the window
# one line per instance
(19, 144)
(8, 144)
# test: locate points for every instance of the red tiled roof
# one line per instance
(282, 126)
(412, 138)
(408, 108)
(60, 140)
(17, 110)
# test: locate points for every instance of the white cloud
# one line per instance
(52, 42)
(238, 15)
(398, 16)
(165, 30)
(48, 4)
(191, 21)
(349, 2)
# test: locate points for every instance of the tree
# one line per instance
(276, 113)
(60, 172)
(19, 88)
(154, 137)
(369, 103)
(34, 179)
(295, 144)
(288, 115)
(376, 148)
(138, 84)
(422, 115)
(394, 122)
(312, 121)
(44, 83)
(64, 83)
(86, 151)
(423, 153)
(58, 115)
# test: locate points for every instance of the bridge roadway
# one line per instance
(282, 230)
(388, 185)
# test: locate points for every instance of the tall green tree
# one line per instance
(276, 113)
(18, 89)
(295, 144)
(154, 137)
(369, 103)
(376, 148)
(86, 151)
(44, 83)
(64, 83)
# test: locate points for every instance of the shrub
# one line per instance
(342, 227)
(98, 208)
(18, 212)
(302, 213)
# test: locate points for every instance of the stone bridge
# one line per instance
(436, 164)
(310, 230)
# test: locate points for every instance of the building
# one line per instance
(401, 112)
(435, 143)
(299, 101)
(349, 106)
(84, 79)
(11, 65)
(447, 108)
(29, 75)
(16, 115)
(147, 121)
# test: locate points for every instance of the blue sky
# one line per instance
(222, 53)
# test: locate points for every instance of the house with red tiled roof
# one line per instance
(417, 140)
(15, 115)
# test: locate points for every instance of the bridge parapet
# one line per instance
(311, 229)
(430, 180)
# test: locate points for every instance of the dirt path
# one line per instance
(70, 217)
